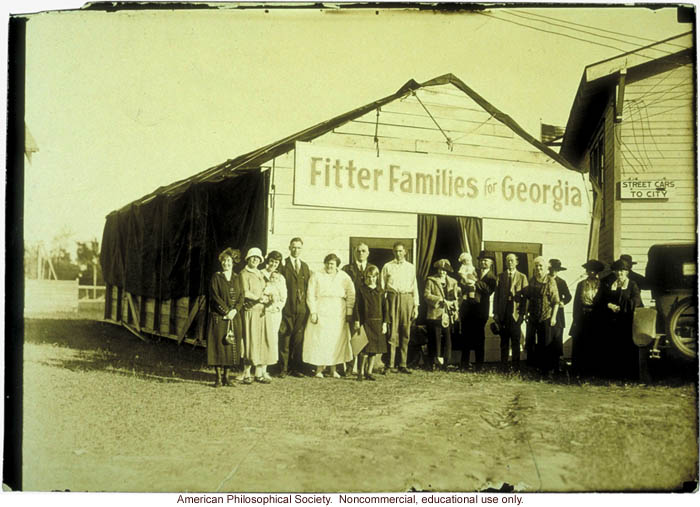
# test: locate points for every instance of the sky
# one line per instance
(122, 103)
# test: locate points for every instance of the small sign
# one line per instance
(689, 269)
(646, 189)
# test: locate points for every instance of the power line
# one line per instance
(599, 29)
(637, 46)
(561, 34)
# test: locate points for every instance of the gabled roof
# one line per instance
(258, 157)
(599, 80)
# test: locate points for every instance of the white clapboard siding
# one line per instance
(47, 296)
(657, 142)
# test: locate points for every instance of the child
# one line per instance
(370, 315)
(467, 275)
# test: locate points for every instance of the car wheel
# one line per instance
(682, 332)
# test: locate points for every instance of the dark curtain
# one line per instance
(168, 247)
(471, 236)
(427, 236)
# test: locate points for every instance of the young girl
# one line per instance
(370, 315)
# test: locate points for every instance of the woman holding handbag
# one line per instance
(224, 331)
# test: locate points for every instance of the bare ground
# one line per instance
(104, 411)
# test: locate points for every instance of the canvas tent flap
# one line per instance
(168, 246)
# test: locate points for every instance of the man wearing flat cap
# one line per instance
(474, 309)
(441, 294)
(557, 331)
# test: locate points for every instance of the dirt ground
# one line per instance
(104, 411)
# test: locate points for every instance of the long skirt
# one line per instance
(218, 352)
(271, 346)
(257, 349)
(327, 342)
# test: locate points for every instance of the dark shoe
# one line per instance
(282, 374)
(225, 381)
(297, 374)
(393, 370)
(359, 377)
(405, 370)
(217, 383)
(369, 376)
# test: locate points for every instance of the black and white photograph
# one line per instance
(380, 250)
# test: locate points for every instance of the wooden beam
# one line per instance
(118, 317)
(134, 311)
(142, 310)
(133, 331)
(190, 318)
(108, 301)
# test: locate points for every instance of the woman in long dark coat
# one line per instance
(225, 303)
(584, 328)
(618, 301)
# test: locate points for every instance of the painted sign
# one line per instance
(646, 189)
(339, 177)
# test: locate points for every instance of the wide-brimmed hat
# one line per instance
(593, 265)
(556, 265)
(620, 264)
(443, 264)
(254, 252)
(487, 254)
(627, 259)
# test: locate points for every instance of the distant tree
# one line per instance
(88, 258)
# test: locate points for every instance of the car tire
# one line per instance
(681, 331)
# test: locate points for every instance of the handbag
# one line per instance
(229, 337)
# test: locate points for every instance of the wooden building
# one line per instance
(632, 129)
(434, 165)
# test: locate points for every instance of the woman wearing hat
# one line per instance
(225, 303)
(253, 283)
(276, 292)
(584, 330)
(331, 299)
(441, 296)
(555, 268)
(618, 301)
(542, 298)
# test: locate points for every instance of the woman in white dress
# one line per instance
(330, 297)
(276, 292)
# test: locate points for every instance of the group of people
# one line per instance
(265, 312)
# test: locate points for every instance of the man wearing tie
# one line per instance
(509, 309)
(475, 309)
(399, 281)
(295, 312)
(356, 270)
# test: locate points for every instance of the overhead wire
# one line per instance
(637, 46)
(597, 28)
(561, 34)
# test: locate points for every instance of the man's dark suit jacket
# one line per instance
(356, 275)
(484, 288)
(503, 291)
(297, 285)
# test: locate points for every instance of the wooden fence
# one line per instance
(47, 296)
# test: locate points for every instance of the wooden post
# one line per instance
(108, 301)
(156, 315)
(119, 305)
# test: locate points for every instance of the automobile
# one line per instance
(669, 328)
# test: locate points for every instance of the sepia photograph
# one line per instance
(371, 250)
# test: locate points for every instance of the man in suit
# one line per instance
(509, 309)
(295, 312)
(474, 310)
(356, 270)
